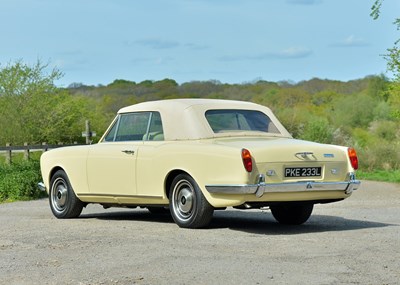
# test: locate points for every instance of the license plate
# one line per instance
(302, 171)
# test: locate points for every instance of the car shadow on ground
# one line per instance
(256, 222)
(142, 215)
(264, 223)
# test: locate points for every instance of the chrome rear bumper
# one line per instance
(261, 187)
(41, 186)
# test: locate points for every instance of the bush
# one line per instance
(386, 130)
(318, 130)
(380, 156)
(355, 111)
(18, 181)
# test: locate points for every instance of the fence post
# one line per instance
(88, 131)
(26, 151)
(44, 147)
(8, 154)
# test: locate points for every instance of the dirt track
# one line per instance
(356, 241)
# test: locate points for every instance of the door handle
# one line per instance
(127, 151)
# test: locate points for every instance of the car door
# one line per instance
(151, 160)
(111, 164)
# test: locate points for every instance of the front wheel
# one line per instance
(292, 214)
(63, 202)
(189, 208)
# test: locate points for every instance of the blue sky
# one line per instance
(234, 41)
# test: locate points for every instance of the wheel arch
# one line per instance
(170, 177)
(53, 171)
(188, 206)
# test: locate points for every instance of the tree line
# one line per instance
(364, 113)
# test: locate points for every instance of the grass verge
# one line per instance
(380, 175)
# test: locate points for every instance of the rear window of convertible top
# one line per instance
(222, 121)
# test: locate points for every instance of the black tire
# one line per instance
(63, 202)
(292, 214)
(188, 206)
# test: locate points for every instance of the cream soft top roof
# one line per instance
(184, 119)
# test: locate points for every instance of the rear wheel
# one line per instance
(189, 208)
(292, 214)
(63, 201)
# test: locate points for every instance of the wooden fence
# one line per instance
(27, 149)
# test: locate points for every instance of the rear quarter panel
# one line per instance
(207, 163)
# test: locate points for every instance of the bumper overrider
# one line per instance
(41, 186)
(260, 187)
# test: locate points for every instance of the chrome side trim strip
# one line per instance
(119, 196)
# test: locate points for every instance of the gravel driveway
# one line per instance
(356, 241)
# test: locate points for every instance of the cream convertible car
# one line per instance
(196, 156)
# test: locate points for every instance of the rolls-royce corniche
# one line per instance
(195, 156)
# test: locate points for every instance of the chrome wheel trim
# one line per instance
(59, 195)
(184, 200)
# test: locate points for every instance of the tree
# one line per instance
(393, 63)
(26, 94)
(21, 79)
(34, 110)
(393, 56)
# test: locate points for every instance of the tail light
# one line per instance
(353, 157)
(247, 160)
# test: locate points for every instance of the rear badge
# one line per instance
(329, 155)
(270, 172)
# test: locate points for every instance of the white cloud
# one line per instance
(351, 41)
(155, 43)
(288, 53)
(294, 52)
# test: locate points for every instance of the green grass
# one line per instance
(380, 175)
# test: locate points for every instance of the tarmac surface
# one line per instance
(355, 241)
